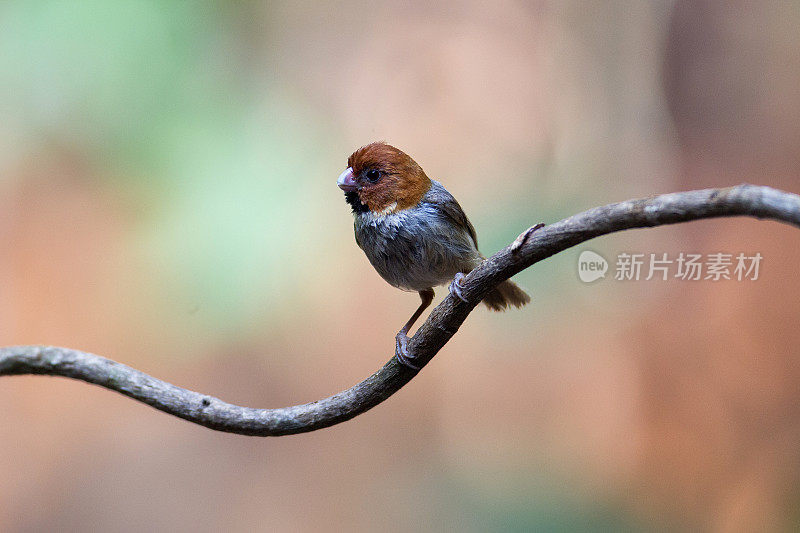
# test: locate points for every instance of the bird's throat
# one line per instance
(355, 202)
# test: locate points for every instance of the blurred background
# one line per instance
(168, 200)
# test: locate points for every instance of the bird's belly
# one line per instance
(410, 272)
(414, 260)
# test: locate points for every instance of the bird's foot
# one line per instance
(455, 287)
(401, 351)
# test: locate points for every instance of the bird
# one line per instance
(414, 232)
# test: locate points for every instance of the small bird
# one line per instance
(413, 231)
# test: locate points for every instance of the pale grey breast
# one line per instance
(419, 247)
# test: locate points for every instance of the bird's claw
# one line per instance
(455, 287)
(401, 351)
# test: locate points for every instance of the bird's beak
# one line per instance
(347, 181)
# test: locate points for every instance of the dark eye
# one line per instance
(373, 175)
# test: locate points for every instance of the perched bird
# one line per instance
(413, 231)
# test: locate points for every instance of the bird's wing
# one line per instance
(450, 208)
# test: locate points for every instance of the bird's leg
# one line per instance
(455, 286)
(401, 339)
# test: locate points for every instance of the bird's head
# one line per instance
(382, 179)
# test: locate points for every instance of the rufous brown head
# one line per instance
(382, 179)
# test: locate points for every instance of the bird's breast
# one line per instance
(416, 248)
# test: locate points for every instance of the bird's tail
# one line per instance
(505, 294)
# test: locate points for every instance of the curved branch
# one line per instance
(531, 247)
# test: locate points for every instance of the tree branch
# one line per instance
(529, 248)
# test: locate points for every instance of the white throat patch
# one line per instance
(389, 209)
(386, 216)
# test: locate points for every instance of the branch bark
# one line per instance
(529, 248)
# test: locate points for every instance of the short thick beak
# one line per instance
(347, 182)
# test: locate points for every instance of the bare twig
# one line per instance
(443, 322)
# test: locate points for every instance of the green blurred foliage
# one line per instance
(151, 95)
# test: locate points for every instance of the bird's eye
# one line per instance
(373, 175)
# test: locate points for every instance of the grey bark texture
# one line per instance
(531, 246)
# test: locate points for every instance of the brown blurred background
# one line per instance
(168, 200)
